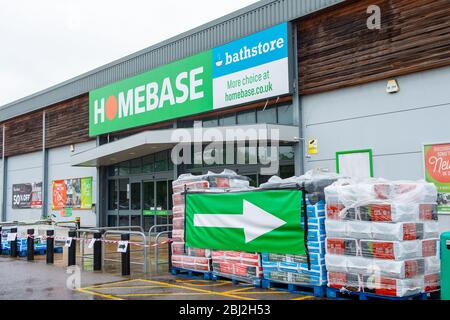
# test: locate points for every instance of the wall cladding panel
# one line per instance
(23, 134)
(336, 49)
(67, 123)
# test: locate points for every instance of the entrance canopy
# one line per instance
(154, 141)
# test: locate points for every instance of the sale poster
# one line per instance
(59, 194)
(437, 171)
(27, 195)
(72, 194)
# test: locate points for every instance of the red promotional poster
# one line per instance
(59, 194)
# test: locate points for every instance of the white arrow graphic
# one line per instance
(254, 220)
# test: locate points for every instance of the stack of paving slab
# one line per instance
(197, 259)
(294, 269)
(382, 237)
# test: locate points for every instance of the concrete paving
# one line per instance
(23, 280)
(38, 281)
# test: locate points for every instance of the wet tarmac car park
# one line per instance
(35, 280)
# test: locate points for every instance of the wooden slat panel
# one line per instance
(67, 123)
(336, 49)
(23, 134)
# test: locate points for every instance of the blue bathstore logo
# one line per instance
(252, 51)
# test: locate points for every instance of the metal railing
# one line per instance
(157, 263)
(120, 232)
(152, 234)
(82, 235)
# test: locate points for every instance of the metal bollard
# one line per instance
(126, 256)
(72, 249)
(13, 244)
(97, 252)
(30, 244)
(50, 246)
(1, 236)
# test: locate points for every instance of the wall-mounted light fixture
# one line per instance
(392, 86)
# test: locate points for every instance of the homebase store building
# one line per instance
(355, 86)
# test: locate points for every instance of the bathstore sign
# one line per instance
(243, 71)
(437, 171)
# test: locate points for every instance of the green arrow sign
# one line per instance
(258, 221)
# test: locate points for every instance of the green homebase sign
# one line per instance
(246, 70)
(253, 221)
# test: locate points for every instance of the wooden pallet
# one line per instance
(337, 294)
(305, 289)
(256, 282)
(195, 274)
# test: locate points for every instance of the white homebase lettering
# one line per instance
(99, 110)
(126, 105)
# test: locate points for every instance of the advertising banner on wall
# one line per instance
(437, 171)
(72, 193)
(27, 195)
(249, 69)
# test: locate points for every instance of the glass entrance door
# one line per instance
(157, 202)
(148, 204)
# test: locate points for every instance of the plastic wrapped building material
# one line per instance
(194, 258)
(373, 284)
(236, 264)
(400, 231)
(382, 237)
(226, 180)
(402, 269)
(313, 182)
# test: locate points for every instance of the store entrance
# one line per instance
(157, 202)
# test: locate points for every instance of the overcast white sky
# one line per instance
(44, 42)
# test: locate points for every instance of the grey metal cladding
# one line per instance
(251, 19)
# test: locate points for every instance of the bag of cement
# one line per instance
(336, 263)
(431, 229)
(178, 223)
(428, 212)
(389, 212)
(342, 246)
(178, 199)
(336, 228)
(403, 269)
(432, 265)
(178, 211)
(178, 235)
(432, 282)
(430, 248)
(359, 229)
(385, 286)
(391, 250)
(397, 231)
(345, 280)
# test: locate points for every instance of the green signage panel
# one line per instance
(172, 91)
(156, 213)
(258, 221)
(249, 69)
